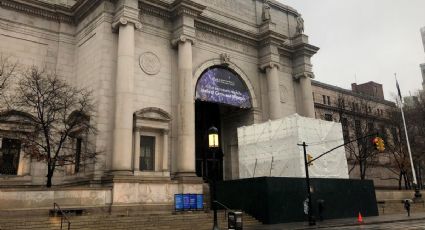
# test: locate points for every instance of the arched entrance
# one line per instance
(223, 100)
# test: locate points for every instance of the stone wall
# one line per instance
(30, 198)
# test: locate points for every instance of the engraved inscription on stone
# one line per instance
(242, 8)
(149, 63)
(226, 43)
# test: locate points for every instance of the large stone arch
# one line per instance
(232, 66)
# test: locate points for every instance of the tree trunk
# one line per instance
(400, 178)
(362, 170)
(49, 177)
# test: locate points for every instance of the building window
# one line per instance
(329, 100)
(78, 145)
(328, 117)
(358, 127)
(314, 100)
(9, 156)
(147, 153)
(345, 130)
(394, 133)
(324, 99)
(370, 127)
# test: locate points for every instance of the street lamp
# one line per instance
(213, 146)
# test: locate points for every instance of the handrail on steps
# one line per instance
(226, 209)
(63, 215)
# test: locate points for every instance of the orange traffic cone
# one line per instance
(360, 218)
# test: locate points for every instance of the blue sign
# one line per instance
(178, 202)
(192, 201)
(199, 201)
(186, 201)
(221, 85)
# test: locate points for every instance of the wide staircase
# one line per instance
(135, 220)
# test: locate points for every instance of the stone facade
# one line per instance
(422, 66)
(142, 59)
(366, 108)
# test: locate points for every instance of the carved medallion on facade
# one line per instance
(150, 63)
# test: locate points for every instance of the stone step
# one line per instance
(184, 221)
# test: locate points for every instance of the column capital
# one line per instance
(270, 65)
(124, 21)
(297, 76)
(182, 39)
(126, 13)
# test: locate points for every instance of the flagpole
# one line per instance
(415, 182)
(408, 145)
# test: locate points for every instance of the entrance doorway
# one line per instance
(207, 115)
(222, 101)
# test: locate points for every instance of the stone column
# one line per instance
(186, 111)
(307, 96)
(137, 150)
(165, 151)
(275, 108)
(123, 123)
(303, 73)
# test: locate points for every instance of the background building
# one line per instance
(362, 110)
(422, 66)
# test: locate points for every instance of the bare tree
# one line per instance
(60, 112)
(7, 71)
(358, 119)
(396, 148)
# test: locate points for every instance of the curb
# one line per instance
(356, 224)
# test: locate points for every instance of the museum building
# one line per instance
(162, 72)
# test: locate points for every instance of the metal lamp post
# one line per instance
(311, 220)
(213, 145)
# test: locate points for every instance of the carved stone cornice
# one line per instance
(157, 8)
(305, 50)
(44, 10)
(187, 8)
(124, 15)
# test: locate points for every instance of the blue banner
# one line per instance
(178, 202)
(192, 201)
(220, 85)
(186, 201)
(199, 201)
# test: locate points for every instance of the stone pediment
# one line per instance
(152, 113)
(13, 116)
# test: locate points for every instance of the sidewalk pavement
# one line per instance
(345, 222)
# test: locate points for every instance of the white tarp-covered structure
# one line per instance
(270, 148)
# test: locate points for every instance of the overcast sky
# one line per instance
(370, 39)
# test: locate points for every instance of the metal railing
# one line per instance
(57, 209)
(226, 209)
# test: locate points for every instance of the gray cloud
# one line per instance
(370, 39)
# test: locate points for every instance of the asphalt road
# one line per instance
(406, 225)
